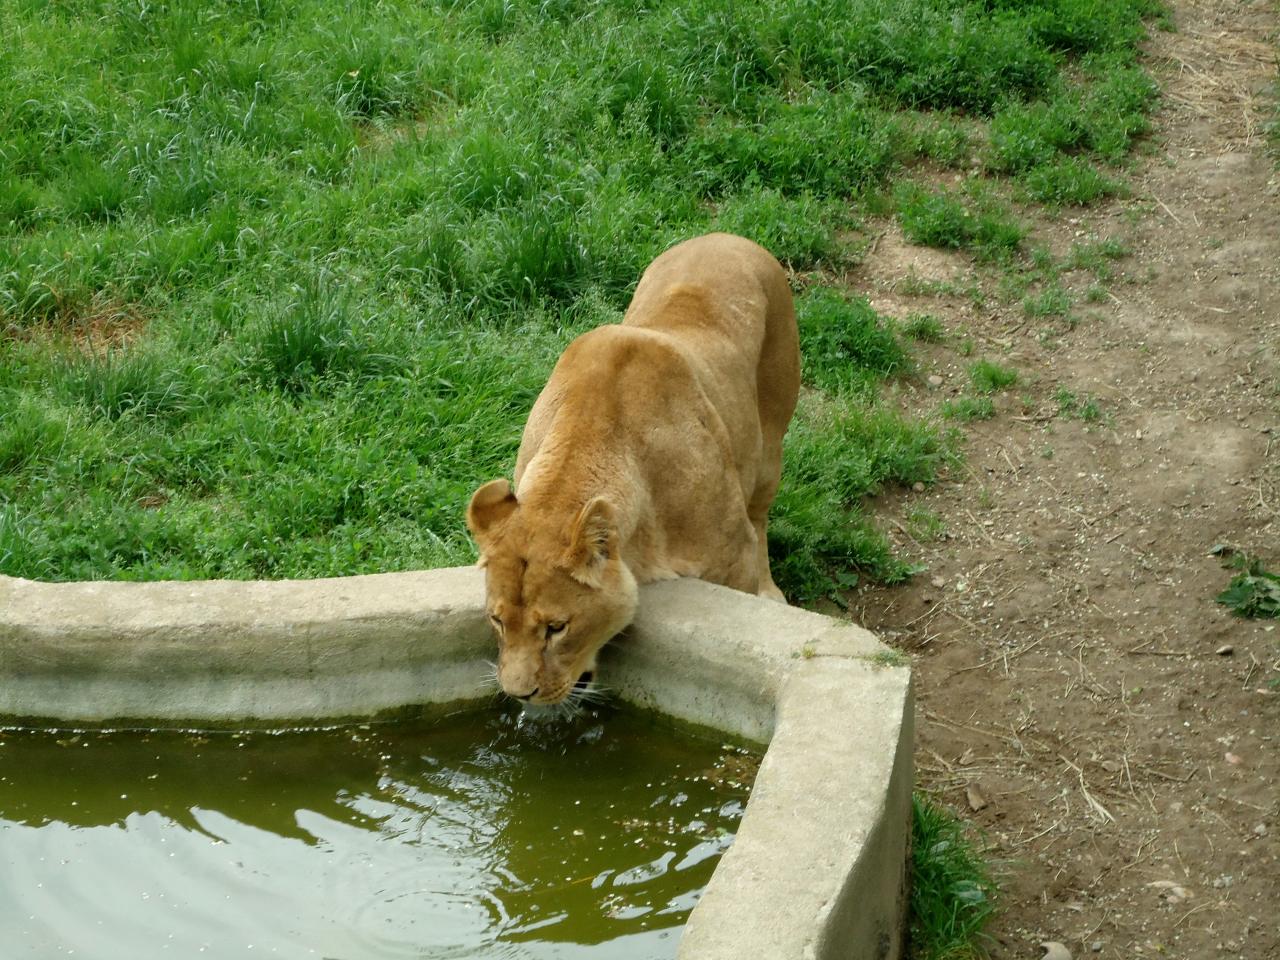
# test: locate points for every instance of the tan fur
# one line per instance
(653, 452)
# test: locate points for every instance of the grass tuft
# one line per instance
(968, 409)
(989, 377)
(835, 456)
(925, 328)
(1073, 407)
(942, 219)
(1052, 301)
(143, 382)
(315, 336)
(925, 525)
(951, 886)
(1068, 181)
(844, 343)
(799, 231)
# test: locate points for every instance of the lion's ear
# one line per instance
(490, 505)
(593, 541)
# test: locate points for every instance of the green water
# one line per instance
(487, 835)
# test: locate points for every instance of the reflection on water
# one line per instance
(483, 836)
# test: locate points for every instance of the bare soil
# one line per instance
(1107, 725)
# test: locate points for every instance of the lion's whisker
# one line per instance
(568, 710)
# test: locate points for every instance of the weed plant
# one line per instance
(1254, 591)
(355, 239)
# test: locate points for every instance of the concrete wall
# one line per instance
(816, 871)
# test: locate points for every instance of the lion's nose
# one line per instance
(526, 696)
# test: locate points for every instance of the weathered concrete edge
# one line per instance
(246, 653)
(816, 870)
(818, 867)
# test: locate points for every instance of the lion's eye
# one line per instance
(496, 621)
(556, 629)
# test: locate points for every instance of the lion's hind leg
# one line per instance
(766, 587)
(758, 514)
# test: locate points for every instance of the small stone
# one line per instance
(934, 381)
(977, 801)
(918, 487)
(1225, 650)
(1260, 830)
(1170, 891)
(1053, 950)
(1096, 946)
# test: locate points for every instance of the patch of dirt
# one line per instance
(95, 330)
(1076, 680)
(893, 257)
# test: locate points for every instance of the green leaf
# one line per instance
(1255, 593)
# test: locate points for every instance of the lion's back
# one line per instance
(683, 405)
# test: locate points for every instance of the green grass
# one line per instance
(925, 525)
(951, 887)
(351, 242)
(1098, 257)
(925, 328)
(1075, 407)
(1273, 125)
(1095, 118)
(844, 344)
(837, 454)
(943, 141)
(1068, 181)
(987, 376)
(1052, 301)
(798, 230)
(968, 409)
(940, 218)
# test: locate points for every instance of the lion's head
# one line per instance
(556, 593)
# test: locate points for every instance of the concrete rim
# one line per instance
(818, 866)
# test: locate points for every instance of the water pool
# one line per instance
(484, 835)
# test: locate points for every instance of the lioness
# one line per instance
(653, 452)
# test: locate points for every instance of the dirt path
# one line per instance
(1114, 728)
